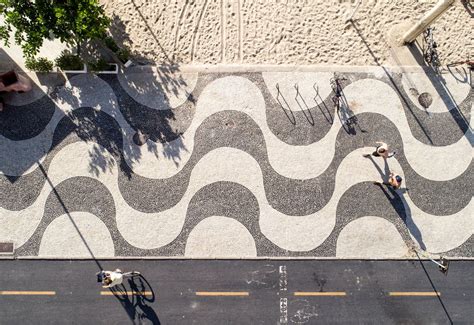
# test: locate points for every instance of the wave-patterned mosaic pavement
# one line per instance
(165, 163)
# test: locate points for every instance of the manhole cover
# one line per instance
(140, 138)
(425, 100)
(6, 248)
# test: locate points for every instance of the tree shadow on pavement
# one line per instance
(137, 299)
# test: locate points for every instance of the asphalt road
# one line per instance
(238, 292)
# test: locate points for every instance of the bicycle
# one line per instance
(470, 67)
(112, 278)
(430, 54)
(337, 89)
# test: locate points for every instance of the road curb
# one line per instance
(263, 258)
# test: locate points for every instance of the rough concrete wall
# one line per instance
(280, 31)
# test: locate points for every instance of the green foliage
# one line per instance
(123, 54)
(111, 44)
(100, 65)
(39, 64)
(69, 61)
(72, 21)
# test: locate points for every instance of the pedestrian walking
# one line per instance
(394, 180)
(381, 150)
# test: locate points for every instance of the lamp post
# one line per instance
(426, 20)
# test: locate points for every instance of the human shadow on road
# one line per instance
(137, 299)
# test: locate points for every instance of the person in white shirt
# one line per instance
(381, 150)
(112, 278)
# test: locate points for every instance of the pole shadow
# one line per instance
(434, 288)
(68, 213)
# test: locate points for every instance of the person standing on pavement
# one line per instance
(381, 150)
(394, 180)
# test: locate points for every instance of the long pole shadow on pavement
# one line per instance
(66, 210)
(326, 113)
(434, 288)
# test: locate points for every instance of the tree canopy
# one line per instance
(72, 21)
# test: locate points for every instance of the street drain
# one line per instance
(6, 248)
(425, 100)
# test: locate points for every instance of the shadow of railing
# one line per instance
(308, 115)
(329, 118)
(288, 112)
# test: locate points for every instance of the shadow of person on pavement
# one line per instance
(137, 300)
(398, 202)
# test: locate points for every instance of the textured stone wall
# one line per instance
(280, 31)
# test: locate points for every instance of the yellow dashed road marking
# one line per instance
(231, 293)
(28, 293)
(418, 294)
(134, 293)
(335, 293)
